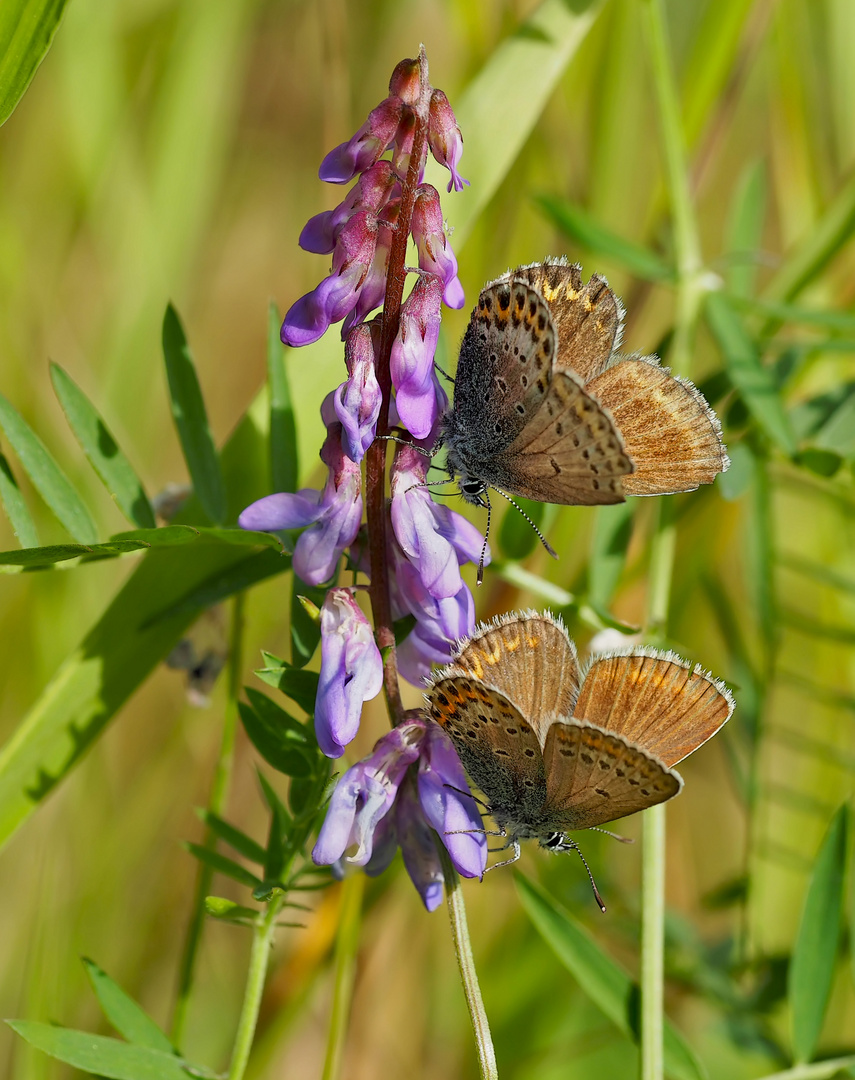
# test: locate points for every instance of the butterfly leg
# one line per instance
(515, 844)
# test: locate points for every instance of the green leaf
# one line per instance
(279, 738)
(236, 839)
(227, 910)
(299, 685)
(821, 462)
(815, 950)
(600, 977)
(191, 420)
(518, 80)
(221, 864)
(517, 538)
(100, 447)
(103, 1056)
(15, 507)
(589, 233)
(609, 544)
(745, 229)
(280, 822)
(284, 461)
(305, 631)
(27, 28)
(124, 1013)
(35, 558)
(753, 381)
(47, 477)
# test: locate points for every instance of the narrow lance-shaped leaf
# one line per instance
(305, 630)
(15, 507)
(236, 839)
(100, 447)
(600, 977)
(284, 463)
(27, 28)
(223, 865)
(585, 230)
(125, 1015)
(747, 373)
(745, 231)
(815, 951)
(191, 420)
(47, 477)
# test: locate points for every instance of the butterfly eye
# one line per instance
(473, 487)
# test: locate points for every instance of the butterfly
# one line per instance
(557, 747)
(544, 407)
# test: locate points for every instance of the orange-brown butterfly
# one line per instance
(544, 406)
(556, 747)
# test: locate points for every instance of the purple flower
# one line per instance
(337, 295)
(332, 515)
(357, 401)
(435, 254)
(372, 191)
(362, 150)
(446, 142)
(435, 539)
(419, 397)
(376, 802)
(351, 671)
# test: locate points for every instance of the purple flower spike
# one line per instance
(435, 539)
(372, 191)
(420, 399)
(435, 254)
(365, 147)
(309, 318)
(357, 401)
(333, 515)
(418, 846)
(446, 142)
(365, 794)
(351, 671)
(406, 81)
(448, 806)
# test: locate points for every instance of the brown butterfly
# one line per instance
(545, 408)
(554, 747)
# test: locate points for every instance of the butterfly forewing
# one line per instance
(504, 369)
(497, 746)
(531, 660)
(587, 317)
(569, 453)
(595, 776)
(655, 700)
(669, 431)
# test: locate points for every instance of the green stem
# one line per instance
(259, 958)
(216, 805)
(652, 941)
(819, 1070)
(466, 963)
(347, 945)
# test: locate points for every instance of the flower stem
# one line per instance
(259, 958)
(375, 458)
(216, 805)
(347, 943)
(466, 963)
(652, 941)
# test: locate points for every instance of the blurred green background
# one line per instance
(168, 151)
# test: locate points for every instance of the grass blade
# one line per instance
(47, 477)
(284, 461)
(100, 447)
(125, 1015)
(745, 232)
(191, 420)
(815, 950)
(27, 28)
(601, 978)
(15, 507)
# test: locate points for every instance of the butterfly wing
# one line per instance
(669, 431)
(570, 452)
(496, 744)
(587, 317)
(595, 776)
(654, 699)
(504, 369)
(530, 659)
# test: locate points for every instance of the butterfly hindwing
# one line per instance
(595, 776)
(654, 699)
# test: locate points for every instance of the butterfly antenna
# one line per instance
(613, 835)
(575, 847)
(407, 442)
(517, 506)
(480, 578)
